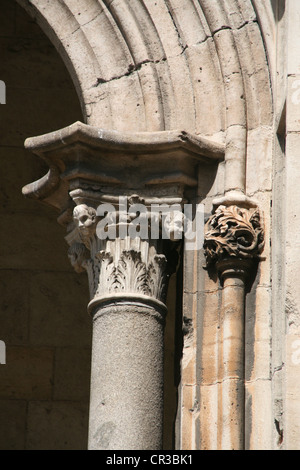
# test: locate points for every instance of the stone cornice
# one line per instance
(88, 155)
(133, 142)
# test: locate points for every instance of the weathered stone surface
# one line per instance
(224, 71)
(14, 309)
(56, 426)
(72, 374)
(28, 373)
(37, 86)
(34, 247)
(127, 379)
(70, 324)
(12, 424)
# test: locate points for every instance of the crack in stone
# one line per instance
(226, 27)
(279, 431)
(278, 369)
(131, 69)
(182, 45)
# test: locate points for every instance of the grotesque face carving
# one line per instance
(85, 218)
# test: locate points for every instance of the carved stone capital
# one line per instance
(233, 233)
(89, 166)
(121, 269)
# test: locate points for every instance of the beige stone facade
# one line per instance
(161, 102)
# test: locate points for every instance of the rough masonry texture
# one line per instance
(160, 102)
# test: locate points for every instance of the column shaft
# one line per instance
(234, 240)
(126, 408)
(232, 366)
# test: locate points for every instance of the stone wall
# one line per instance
(226, 71)
(44, 387)
(286, 299)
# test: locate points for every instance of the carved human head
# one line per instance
(85, 218)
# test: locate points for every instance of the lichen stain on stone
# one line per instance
(104, 434)
(292, 310)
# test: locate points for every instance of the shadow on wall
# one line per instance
(44, 386)
(278, 7)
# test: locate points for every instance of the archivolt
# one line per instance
(154, 65)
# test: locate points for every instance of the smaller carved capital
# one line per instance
(233, 233)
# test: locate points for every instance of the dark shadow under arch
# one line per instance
(44, 390)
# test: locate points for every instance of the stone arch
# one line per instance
(155, 66)
(145, 67)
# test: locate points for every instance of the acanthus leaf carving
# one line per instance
(233, 232)
(117, 266)
(131, 275)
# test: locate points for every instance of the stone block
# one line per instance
(36, 102)
(258, 433)
(125, 92)
(25, 26)
(12, 424)
(28, 373)
(22, 53)
(210, 421)
(112, 46)
(258, 334)
(190, 271)
(209, 342)
(293, 18)
(72, 374)
(187, 417)
(58, 318)
(202, 67)
(25, 168)
(255, 76)
(293, 104)
(8, 18)
(84, 12)
(259, 160)
(164, 23)
(27, 240)
(188, 21)
(214, 182)
(14, 306)
(293, 187)
(57, 426)
(292, 432)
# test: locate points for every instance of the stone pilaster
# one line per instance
(233, 241)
